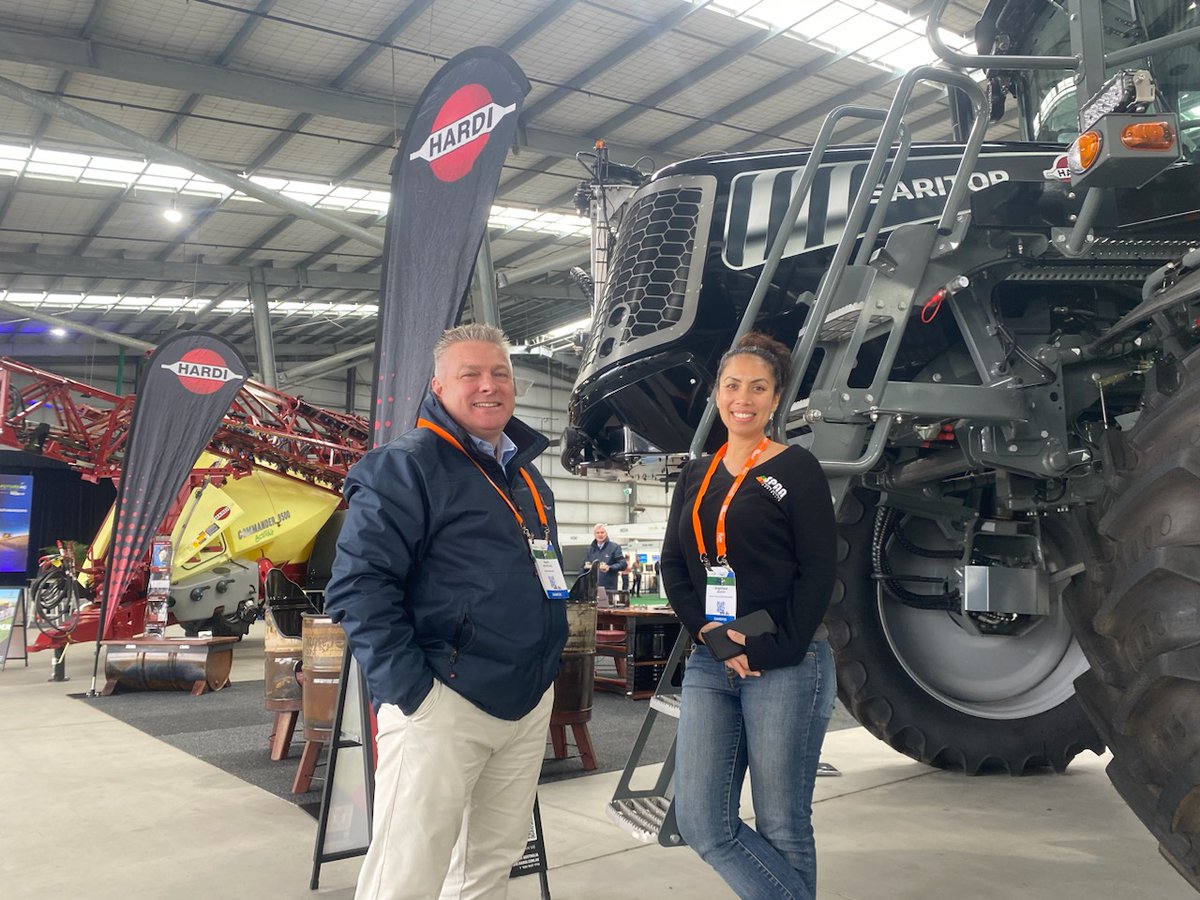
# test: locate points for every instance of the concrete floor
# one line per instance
(91, 808)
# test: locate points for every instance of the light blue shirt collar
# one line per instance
(507, 448)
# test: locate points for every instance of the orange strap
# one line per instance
(537, 499)
(737, 483)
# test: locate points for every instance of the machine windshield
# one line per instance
(1048, 97)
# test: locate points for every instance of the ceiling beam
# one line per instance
(187, 272)
(96, 58)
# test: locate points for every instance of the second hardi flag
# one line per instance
(445, 179)
(190, 382)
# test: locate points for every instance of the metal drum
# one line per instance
(168, 664)
(324, 645)
(284, 655)
(576, 676)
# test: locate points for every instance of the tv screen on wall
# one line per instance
(16, 515)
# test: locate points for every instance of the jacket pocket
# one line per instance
(464, 636)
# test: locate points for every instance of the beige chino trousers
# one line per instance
(454, 791)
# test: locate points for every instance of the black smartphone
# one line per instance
(751, 624)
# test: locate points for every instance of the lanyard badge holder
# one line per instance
(545, 560)
(720, 583)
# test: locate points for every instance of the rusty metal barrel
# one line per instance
(576, 675)
(284, 655)
(168, 664)
(324, 644)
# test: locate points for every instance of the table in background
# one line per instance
(649, 636)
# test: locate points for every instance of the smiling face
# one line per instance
(474, 382)
(747, 395)
(600, 533)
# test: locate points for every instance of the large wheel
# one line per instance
(935, 688)
(1139, 614)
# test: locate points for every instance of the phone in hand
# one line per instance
(722, 647)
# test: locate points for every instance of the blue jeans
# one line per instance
(773, 725)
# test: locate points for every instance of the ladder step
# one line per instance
(640, 817)
(667, 704)
(839, 323)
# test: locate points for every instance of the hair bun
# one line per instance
(756, 341)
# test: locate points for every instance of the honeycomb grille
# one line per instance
(647, 282)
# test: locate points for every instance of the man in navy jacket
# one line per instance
(605, 557)
(438, 591)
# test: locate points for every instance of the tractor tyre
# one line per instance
(1138, 613)
(927, 686)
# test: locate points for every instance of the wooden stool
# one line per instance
(282, 729)
(611, 643)
(558, 736)
(308, 765)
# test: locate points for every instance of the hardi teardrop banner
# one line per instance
(443, 183)
(189, 383)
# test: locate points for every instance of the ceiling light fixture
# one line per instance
(173, 215)
(58, 332)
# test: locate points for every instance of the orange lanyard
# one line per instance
(537, 499)
(737, 483)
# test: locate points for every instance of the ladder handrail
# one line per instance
(955, 202)
(783, 235)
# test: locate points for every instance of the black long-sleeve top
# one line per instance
(782, 548)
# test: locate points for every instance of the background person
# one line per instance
(765, 709)
(605, 557)
(460, 666)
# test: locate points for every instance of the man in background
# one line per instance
(606, 558)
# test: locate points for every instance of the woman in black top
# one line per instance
(764, 512)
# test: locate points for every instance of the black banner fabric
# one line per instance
(443, 184)
(189, 383)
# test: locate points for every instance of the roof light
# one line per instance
(1130, 90)
(172, 215)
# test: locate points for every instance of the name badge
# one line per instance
(549, 571)
(720, 595)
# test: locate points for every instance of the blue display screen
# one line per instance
(16, 514)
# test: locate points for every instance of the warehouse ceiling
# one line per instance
(308, 98)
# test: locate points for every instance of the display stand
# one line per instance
(348, 795)
(13, 617)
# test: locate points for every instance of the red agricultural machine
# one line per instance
(259, 496)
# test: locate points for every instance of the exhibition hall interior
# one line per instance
(861, 335)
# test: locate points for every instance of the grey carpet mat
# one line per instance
(230, 729)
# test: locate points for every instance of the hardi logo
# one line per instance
(222, 513)
(460, 131)
(1060, 171)
(202, 371)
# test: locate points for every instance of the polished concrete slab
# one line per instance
(92, 808)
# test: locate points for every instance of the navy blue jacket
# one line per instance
(610, 553)
(433, 576)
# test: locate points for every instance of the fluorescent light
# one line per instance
(58, 332)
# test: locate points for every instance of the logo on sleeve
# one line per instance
(772, 486)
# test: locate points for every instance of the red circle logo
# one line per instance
(459, 122)
(202, 371)
(222, 513)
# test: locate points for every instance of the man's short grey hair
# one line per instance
(474, 331)
(600, 525)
